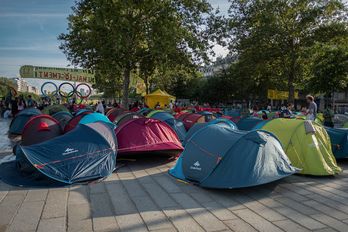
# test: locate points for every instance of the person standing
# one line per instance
(31, 102)
(328, 115)
(99, 108)
(312, 109)
(171, 104)
(269, 107)
(14, 107)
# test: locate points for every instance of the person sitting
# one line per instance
(264, 115)
(287, 113)
(7, 113)
(157, 105)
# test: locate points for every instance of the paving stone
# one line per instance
(259, 208)
(133, 188)
(290, 194)
(131, 222)
(8, 210)
(207, 220)
(167, 184)
(239, 225)
(28, 216)
(331, 222)
(326, 230)
(226, 201)
(143, 177)
(79, 217)
(201, 196)
(52, 225)
(120, 199)
(333, 212)
(256, 221)
(102, 212)
(56, 204)
(78, 195)
(97, 188)
(153, 218)
(219, 211)
(299, 218)
(181, 219)
(298, 206)
(36, 195)
(4, 188)
(290, 226)
(295, 188)
(162, 199)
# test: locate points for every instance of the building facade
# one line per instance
(218, 67)
(22, 84)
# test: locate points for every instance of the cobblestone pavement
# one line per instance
(142, 196)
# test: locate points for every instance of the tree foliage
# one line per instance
(272, 37)
(125, 33)
(329, 69)
(4, 89)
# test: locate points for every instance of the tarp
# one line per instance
(158, 96)
(339, 141)
(18, 123)
(83, 155)
(40, 128)
(53, 109)
(219, 157)
(63, 118)
(147, 135)
(306, 143)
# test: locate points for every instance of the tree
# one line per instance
(329, 69)
(124, 33)
(4, 89)
(274, 35)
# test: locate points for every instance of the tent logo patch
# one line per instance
(69, 151)
(196, 166)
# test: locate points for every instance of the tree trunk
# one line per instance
(146, 80)
(291, 82)
(126, 80)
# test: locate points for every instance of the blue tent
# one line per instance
(204, 112)
(18, 123)
(339, 141)
(221, 157)
(63, 118)
(145, 111)
(85, 154)
(176, 124)
(248, 122)
(83, 111)
(198, 126)
(96, 117)
(233, 113)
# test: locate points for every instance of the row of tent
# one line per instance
(259, 152)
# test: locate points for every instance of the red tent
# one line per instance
(135, 109)
(39, 129)
(147, 135)
(233, 119)
(192, 119)
(180, 115)
(72, 124)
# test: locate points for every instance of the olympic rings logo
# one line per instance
(70, 94)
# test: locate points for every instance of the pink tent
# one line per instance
(147, 135)
(191, 119)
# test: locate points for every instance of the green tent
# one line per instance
(317, 120)
(306, 143)
(53, 109)
(153, 112)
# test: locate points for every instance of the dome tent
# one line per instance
(339, 141)
(192, 119)
(63, 118)
(53, 109)
(247, 123)
(40, 128)
(147, 135)
(126, 116)
(176, 124)
(306, 143)
(85, 154)
(220, 157)
(18, 123)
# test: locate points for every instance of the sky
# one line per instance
(29, 31)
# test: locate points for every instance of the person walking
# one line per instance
(328, 115)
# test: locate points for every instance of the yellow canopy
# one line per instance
(158, 96)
